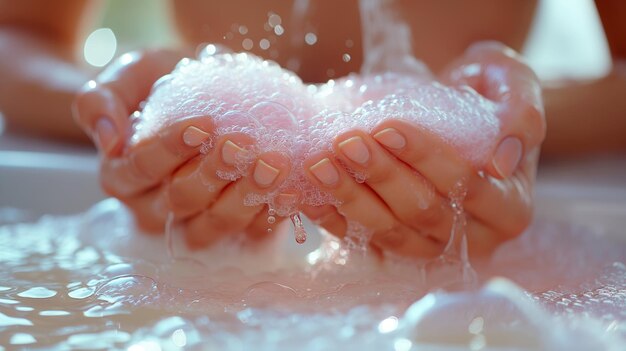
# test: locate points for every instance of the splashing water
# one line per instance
(100, 284)
(386, 41)
(92, 282)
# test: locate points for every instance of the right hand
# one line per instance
(165, 173)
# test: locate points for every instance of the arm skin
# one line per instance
(38, 66)
(588, 117)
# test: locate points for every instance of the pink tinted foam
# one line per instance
(243, 93)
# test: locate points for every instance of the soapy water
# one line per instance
(91, 281)
(100, 285)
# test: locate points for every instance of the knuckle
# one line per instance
(413, 156)
(518, 224)
(179, 202)
(378, 174)
(346, 195)
(141, 169)
(428, 215)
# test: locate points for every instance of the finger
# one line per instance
(148, 162)
(103, 117)
(103, 106)
(230, 214)
(133, 74)
(355, 201)
(482, 240)
(409, 196)
(522, 131)
(150, 209)
(425, 152)
(505, 206)
(502, 205)
(402, 240)
(197, 185)
(499, 74)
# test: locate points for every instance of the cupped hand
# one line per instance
(410, 172)
(166, 172)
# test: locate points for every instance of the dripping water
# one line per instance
(298, 228)
(169, 235)
(456, 248)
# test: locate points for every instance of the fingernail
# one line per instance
(507, 156)
(390, 138)
(230, 151)
(325, 172)
(265, 174)
(105, 135)
(355, 149)
(194, 136)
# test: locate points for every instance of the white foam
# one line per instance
(243, 93)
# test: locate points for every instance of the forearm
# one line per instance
(39, 81)
(586, 117)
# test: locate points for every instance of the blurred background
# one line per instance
(567, 39)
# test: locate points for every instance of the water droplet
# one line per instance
(274, 20)
(37, 293)
(271, 219)
(179, 338)
(271, 212)
(22, 339)
(243, 30)
(310, 38)
(264, 44)
(349, 43)
(388, 325)
(53, 313)
(279, 30)
(81, 293)
(299, 231)
(6, 321)
(346, 57)
(247, 44)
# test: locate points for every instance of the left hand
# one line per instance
(411, 171)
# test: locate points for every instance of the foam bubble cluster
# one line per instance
(243, 93)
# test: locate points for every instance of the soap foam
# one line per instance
(243, 93)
